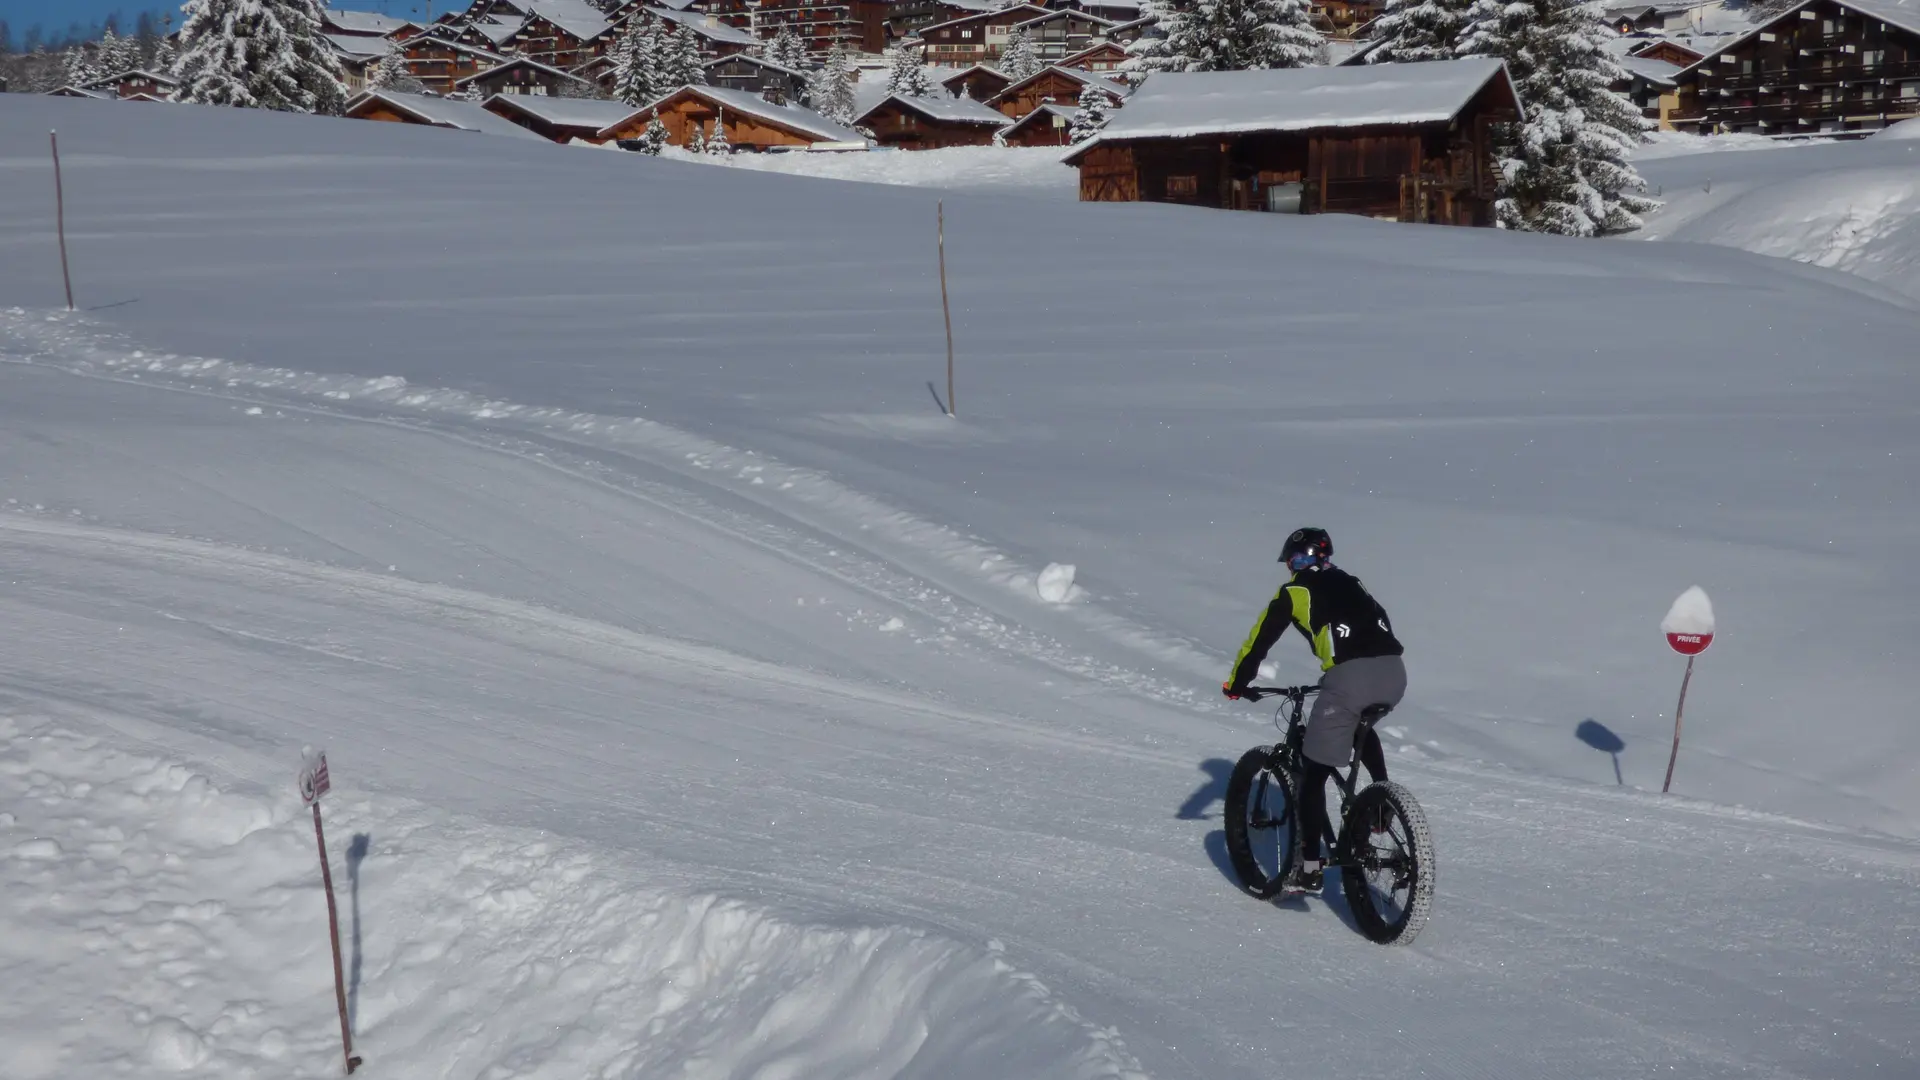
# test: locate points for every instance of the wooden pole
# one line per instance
(333, 936)
(60, 216)
(1677, 712)
(945, 309)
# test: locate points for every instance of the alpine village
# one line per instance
(1463, 112)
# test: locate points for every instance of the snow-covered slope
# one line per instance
(1845, 206)
(594, 513)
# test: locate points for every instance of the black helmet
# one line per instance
(1307, 547)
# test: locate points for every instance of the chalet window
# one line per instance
(1910, 91)
(1182, 186)
(967, 34)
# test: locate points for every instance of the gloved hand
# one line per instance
(1232, 692)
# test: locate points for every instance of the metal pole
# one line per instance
(333, 937)
(945, 309)
(60, 216)
(1677, 712)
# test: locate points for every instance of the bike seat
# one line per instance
(1373, 714)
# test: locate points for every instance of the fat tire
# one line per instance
(1393, 798)
(1240, 787)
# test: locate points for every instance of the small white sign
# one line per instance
(314, 781)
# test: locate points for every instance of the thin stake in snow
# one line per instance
(1689, 630)
(314, 782)
(60, 216)
(946, 310)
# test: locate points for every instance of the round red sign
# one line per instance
(1689, 644)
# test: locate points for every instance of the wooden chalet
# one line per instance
(521, 77)
(560, 119)
(1128, 33)
(561, 33)
(979, 82)
(1100, 58)
(1052, 86)
(71, 91)
(751, 122)
(1114, 11)
(1653, 86)
(1669, 50)
(755, 75)
(492, 34)
(358, 56)
(1414, 143)
(425, 110)
(906, 18)
(714, 39)
(931, 123)
(1831, 66)
(1345, 19)
(1633, 18)
(366, 24)
(1048, 125)
(974, 39)
(1063, 32)
(140, 84)
(439, 63)
(819, 24)
(601, 71)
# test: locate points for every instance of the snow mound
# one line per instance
(1905, 129)
(472, 950)
(1056, 583)
(1692, 613)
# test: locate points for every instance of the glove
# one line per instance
(1232, 692)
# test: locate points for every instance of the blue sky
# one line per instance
(55, 15)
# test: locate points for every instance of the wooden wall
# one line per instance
(684, 113)
(907, 130)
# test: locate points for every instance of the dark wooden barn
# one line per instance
(1408, 142)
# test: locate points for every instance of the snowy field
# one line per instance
(1012, 170)
(689, 677)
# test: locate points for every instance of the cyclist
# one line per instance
(1360, 660)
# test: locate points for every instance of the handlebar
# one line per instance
(1297, 693)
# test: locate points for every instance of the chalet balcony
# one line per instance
(1811, 76)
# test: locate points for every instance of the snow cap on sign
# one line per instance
(1692, 613)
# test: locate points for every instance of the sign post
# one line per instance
(314, 783)
(1689, 630)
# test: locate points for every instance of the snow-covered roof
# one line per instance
(702, 25)
(358, 46)
(1904, 14)
(1013, 8)
(576, 17)
(1044, 113)
(1177, 104)
(1060, 13)
(445, 112)
(947, 109)
(566, 112)
(116, 79)
(520, 62)
(1658, 72)
(79, 92)
(758, 61)
(495, 30)
(363, 22)
(791, 117)
(1087, 80)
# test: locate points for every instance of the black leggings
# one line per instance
(1313, 792)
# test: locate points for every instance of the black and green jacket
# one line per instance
(1336, 613)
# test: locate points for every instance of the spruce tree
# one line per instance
(1096, 108)
(788, 50)
(1239, 35)
(113, 56)
(1153, 51)
(696, 140)
(909, 76)
(655, 137)
(680, 61)
(1565, 168)
(1413, 30)
(392, 73)
(717, 145)
(637, 75)
(80, 67)
(831, 88)
(1020, 60)
(264, 54)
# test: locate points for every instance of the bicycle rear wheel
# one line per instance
(1260, 823)
(1388, 873)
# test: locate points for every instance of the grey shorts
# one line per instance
(1344, 692)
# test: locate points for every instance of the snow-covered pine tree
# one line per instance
(1239, 35)
(654, 138)
(831, 87)
(392, 73)
(114, 54)
(163, 58)
(787, 50)
(81, 68)
(1019, 59)
(717, 145)
(263, 54)
(696, 139)
(909, 77)
(1565, 169)
(1413, 30)
(1096, 108)
(637, 77)
(1153, 50)
(680, 61)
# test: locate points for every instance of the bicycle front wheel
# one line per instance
(1260, 824)
(1388, 874)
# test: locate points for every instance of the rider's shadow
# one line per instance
(1213, 790)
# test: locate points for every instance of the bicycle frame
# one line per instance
(1290, 754)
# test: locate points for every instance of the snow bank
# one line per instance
(1853, 207)
(1905, 129)
(1692, 613)
(1007, 170)
(159, 923)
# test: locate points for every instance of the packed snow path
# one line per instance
(484, 630)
